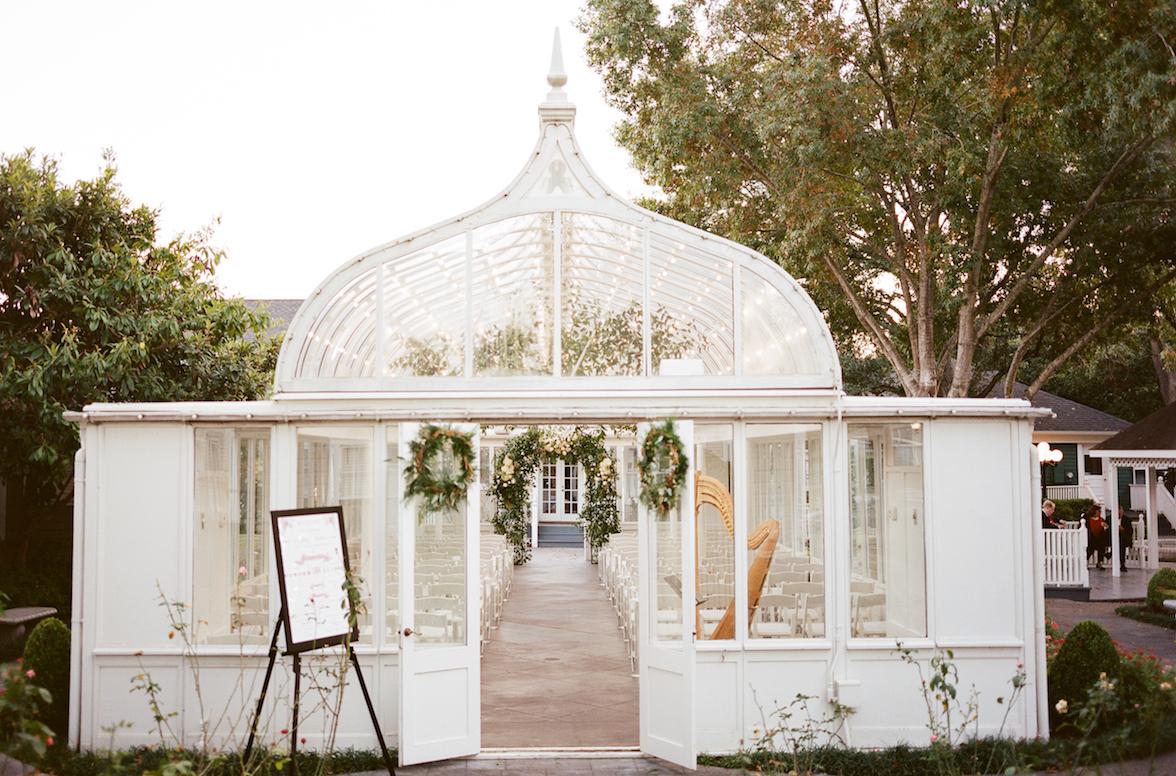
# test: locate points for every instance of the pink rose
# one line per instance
(31, 673)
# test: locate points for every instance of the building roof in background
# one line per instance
(1072, 416)
(1155, 432)
(280, 311)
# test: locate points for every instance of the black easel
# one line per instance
(273, 656)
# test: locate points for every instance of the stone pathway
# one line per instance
(572, 766)
(1131, 634)
(556, 671)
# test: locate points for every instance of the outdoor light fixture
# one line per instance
(1046, 455)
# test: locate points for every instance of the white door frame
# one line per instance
(440, 685)
(667, 668)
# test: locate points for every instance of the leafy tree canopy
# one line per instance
(94, 308)
(964, 187)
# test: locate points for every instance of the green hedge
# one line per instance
(1162, 585)
(1071, 508)
(46, 653)
(1087, 652)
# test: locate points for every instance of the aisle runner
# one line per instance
(556, 672)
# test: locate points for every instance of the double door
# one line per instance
(440, 667)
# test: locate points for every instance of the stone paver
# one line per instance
(569, 766)
(1131, 634)
(556, 671)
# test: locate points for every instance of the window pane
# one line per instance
(334, 469)
(513, 301)
(666, 585)
(715, 576)
(601, 296)
(571, 488)
(231, 548)
(392, 474)
(439, 594)
(785, 531)
(632, 485)
(888, 588)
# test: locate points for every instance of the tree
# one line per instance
(93, 308)
(955, 182)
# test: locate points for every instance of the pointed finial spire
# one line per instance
(556, 109)
(556, 75)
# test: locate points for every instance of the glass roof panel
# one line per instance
(513, 302)
(341, 342)
(601, 317)
(776, 340)
(692, 313)
(424, 311)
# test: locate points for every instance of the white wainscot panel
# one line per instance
(221, 697)
(141, 532)
(122, 715)
(320, 678)
(716, 702)
(975, 530)
(772, 681)
(893, 711)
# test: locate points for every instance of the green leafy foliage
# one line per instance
(514, 471)
(966, 188)
(1071, 508)
(440, 468)
(1086, 653)
(95, 308)
(1161, 586)
(46, 652)
(663, 464)
(23, 733)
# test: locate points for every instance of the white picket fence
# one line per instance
(1065, 556)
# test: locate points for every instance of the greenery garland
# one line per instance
(429, 476)
(514, 472)
(663, 465)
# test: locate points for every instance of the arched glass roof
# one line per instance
(557, 279)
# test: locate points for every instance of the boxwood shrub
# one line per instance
(1087, 652)
(1162, 585)
(46, 652)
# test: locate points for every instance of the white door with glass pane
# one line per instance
(440, 671)
(667, 621)
(559, 490)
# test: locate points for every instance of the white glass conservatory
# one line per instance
(558, 302)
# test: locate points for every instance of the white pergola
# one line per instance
(1149, 444)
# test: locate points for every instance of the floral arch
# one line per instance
(557, 277)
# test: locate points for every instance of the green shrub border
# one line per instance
(63, 761)
(1143, 614)
(987, 755)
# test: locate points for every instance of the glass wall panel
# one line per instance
(440, 574)
(888, 588)
(392, 488)
(424, 311)
(230, 566)
(715, 533)
(513, 299)
(334, 469)
(785, 529)
(601, 296)
(775, 338)
(692, 305)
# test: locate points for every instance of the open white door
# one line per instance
(666, 643)
(440, 670)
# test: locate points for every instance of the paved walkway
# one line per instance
(556, 671)
(1131, 585)
(1131, 634)
(573, 766)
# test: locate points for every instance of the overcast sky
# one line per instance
(311, 131)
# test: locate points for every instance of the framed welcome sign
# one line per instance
(310, 546)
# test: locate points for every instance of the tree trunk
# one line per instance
(1165, 376)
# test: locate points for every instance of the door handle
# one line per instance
(407, 632)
